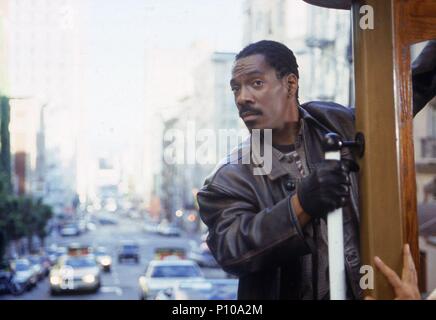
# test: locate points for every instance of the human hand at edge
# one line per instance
(405, 288)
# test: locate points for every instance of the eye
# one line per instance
(257, 83)
(235, 88)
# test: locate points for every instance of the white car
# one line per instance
(210, 289)
(162, 274)
(187, 290)
(69, 230)
(24, 273)
(75, 273)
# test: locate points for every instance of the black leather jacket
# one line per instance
(253, 232)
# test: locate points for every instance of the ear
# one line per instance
(291, 84)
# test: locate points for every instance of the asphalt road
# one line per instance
(122, 282)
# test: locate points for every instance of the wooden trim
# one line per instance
(376, 116)
(402, 39)
(416, 20)
(384, 114)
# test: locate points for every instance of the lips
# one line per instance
(249, 115)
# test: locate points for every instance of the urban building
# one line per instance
(24, 126)
(4, 24)
(320, 39)
(44, 67)
(191, 132)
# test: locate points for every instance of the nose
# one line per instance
(244, 97)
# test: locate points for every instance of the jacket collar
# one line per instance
(277, 169)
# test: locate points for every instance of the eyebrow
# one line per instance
(251, 73)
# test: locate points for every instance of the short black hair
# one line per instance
(276, 54)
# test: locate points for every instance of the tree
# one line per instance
(14, 221)
(4, 198)
(28, 213)
(43, 214)
(5, 151)
(5, 171)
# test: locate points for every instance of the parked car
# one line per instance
(45, 263)
(37, 267)
(161, 274)
(103, 258)
(24, 274)
(107, 221)
(70, 229)
(128, 250)
(8, 283)
(75, 273)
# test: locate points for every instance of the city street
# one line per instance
(122, 282)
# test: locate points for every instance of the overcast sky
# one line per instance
(117, 35)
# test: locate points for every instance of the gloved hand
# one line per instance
(326, 188)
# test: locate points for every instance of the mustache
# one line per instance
(248, 108)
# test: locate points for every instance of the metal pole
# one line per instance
(335, 235)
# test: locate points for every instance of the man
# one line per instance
(270, 230)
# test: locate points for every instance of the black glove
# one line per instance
(326, 188)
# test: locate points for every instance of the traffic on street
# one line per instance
(123, 259)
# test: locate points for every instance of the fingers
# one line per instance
(369, 298)
(405, 288)
(409, 271)
(350, 165)
(334, 176)
(432, 296)
(390, 274)
(334, 172)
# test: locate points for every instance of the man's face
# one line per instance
(262, 99)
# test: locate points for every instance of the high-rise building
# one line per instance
(40, 165)
(44, 65)
(208, 113)
(24, 126)
(265, 19)
(225, 114)
(4, 23)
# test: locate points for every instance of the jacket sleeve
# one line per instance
(424, 77)
(244, 239)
